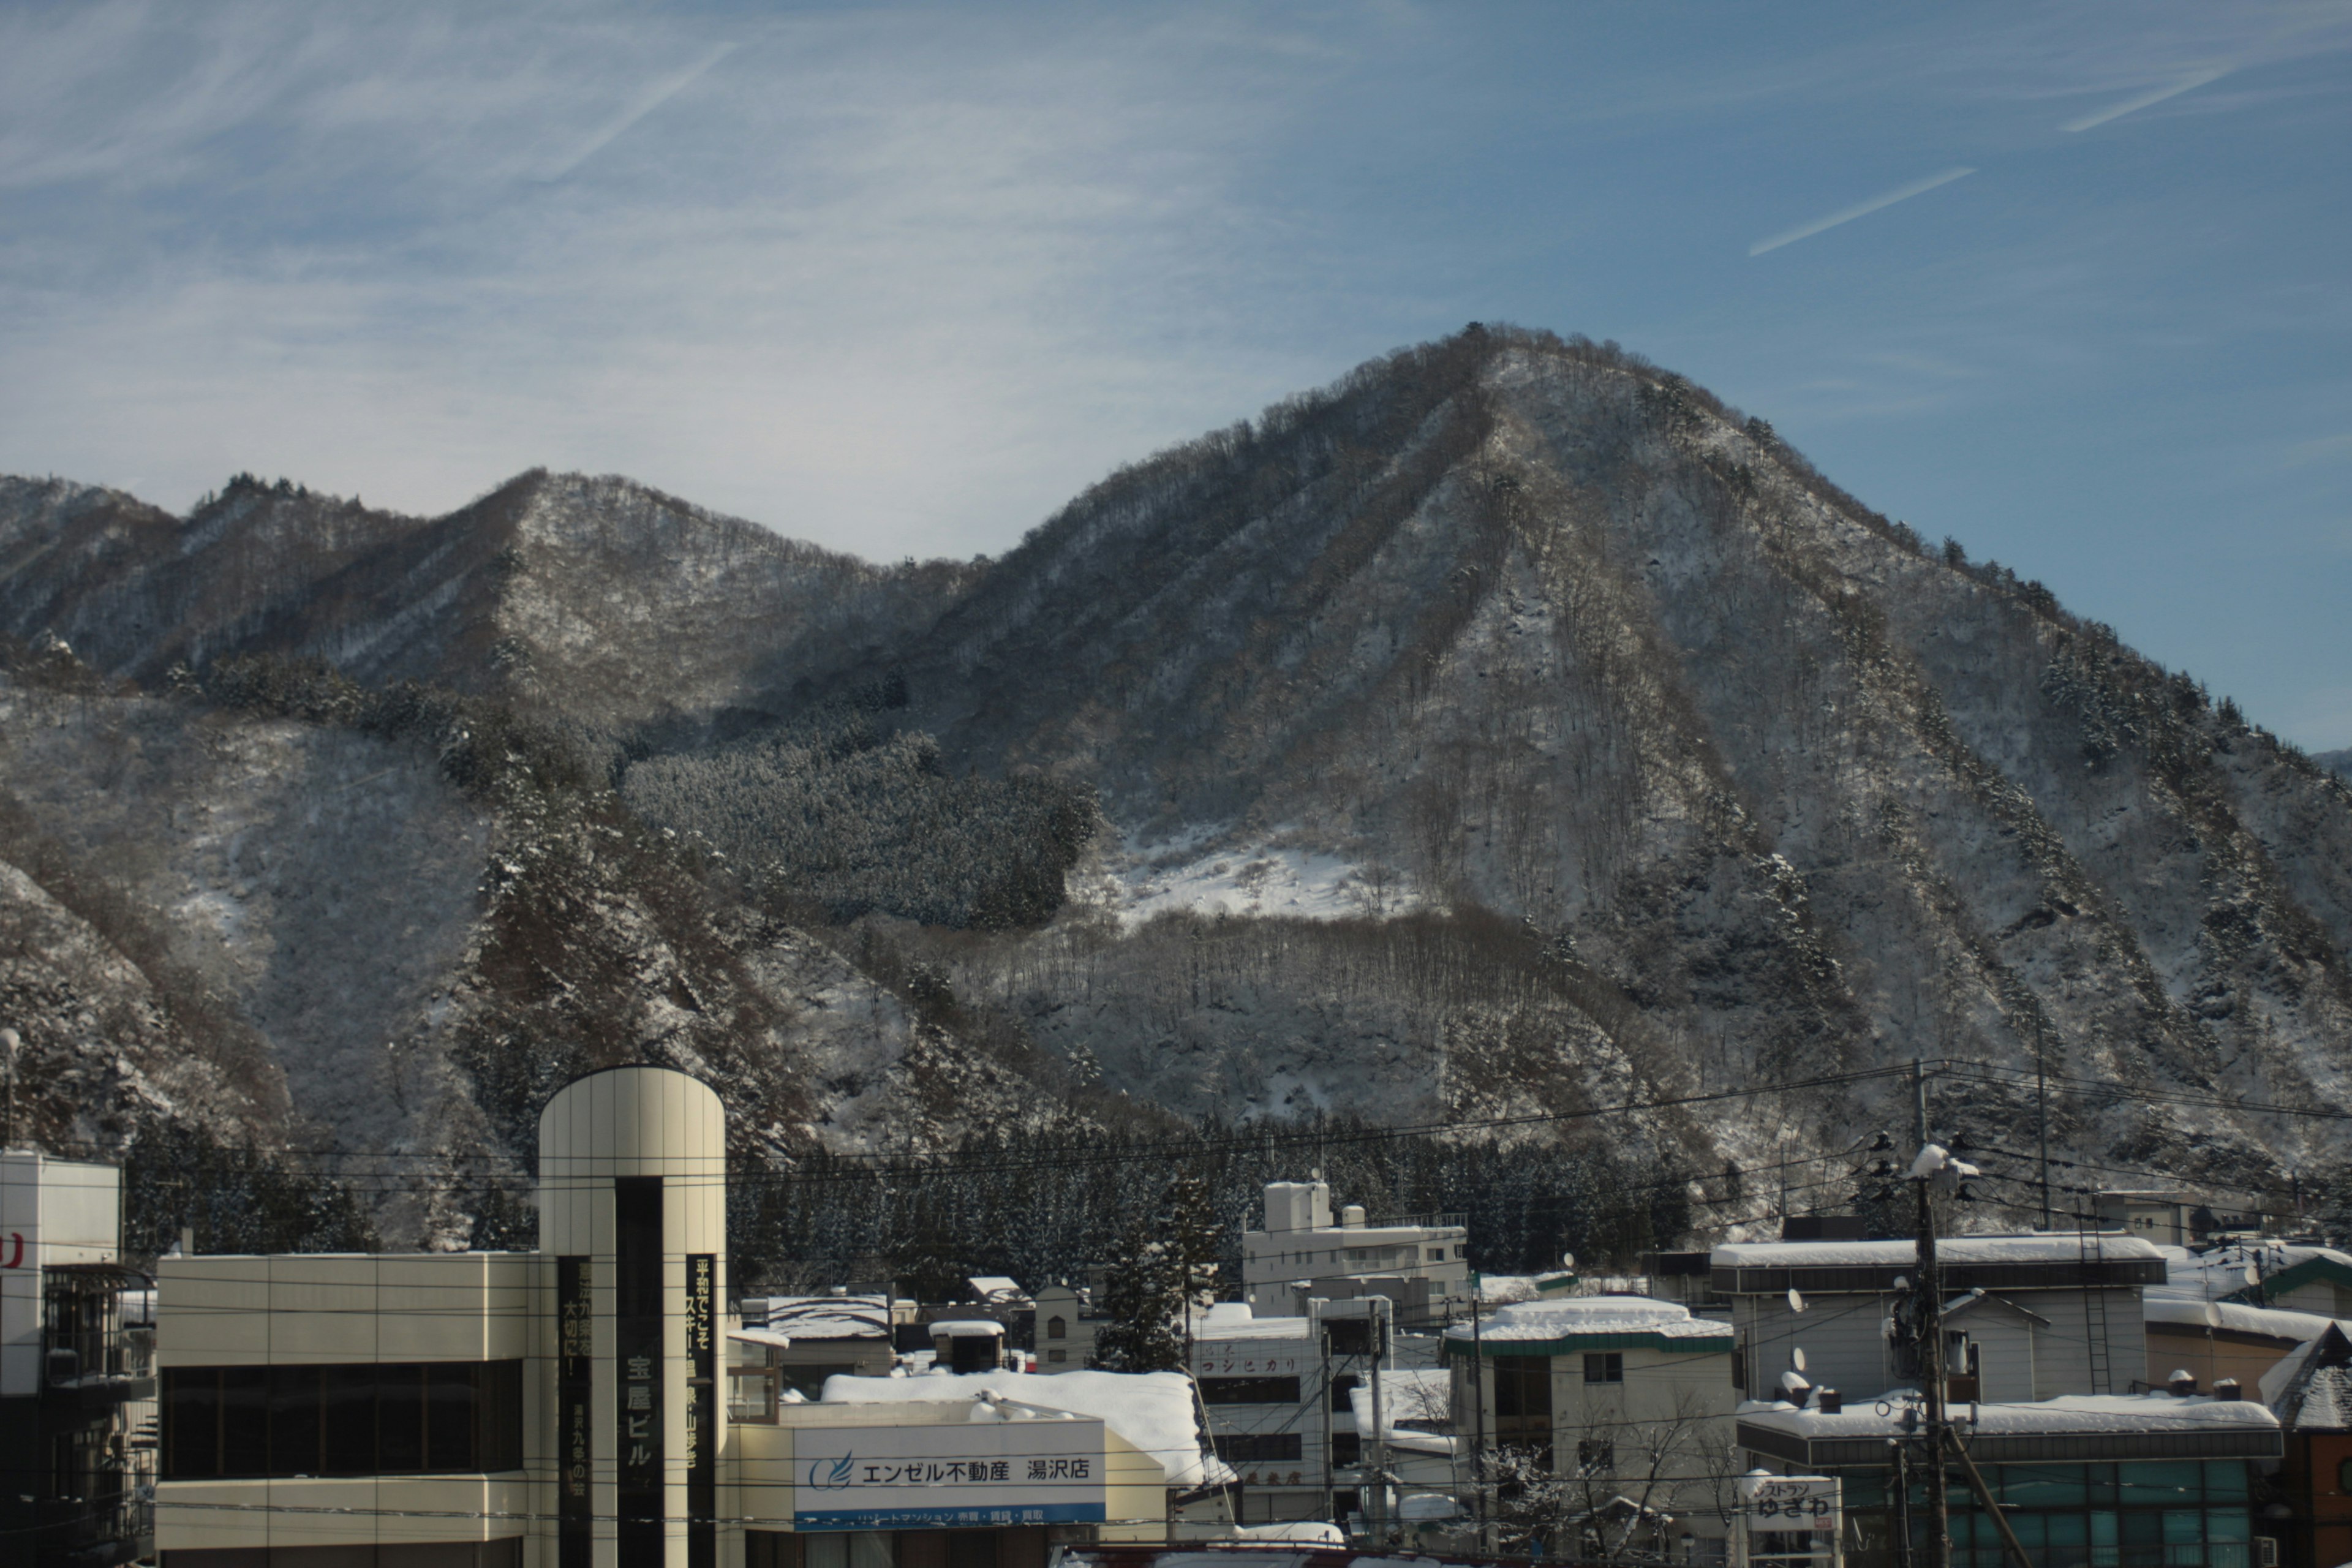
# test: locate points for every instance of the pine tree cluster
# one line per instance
(1043, 1207)
(844, 813)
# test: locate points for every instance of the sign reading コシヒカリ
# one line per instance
(1010, 1472)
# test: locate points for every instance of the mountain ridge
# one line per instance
(1508, 727)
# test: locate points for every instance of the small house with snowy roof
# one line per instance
(2031, 1317)
(1623, 1394)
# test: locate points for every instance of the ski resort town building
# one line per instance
(76, 1389)
(1421, 1263)
(569, 1407)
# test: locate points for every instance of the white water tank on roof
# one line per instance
(1297, 1205)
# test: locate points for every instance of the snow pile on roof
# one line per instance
(995, 1287)
(1234, 1321)
(2070, 1414)
(2224, 1271)
(2106, 1248)
(1416, 1409)
(760, 1337)
(2188, 1304)
(821, 1317)
(2326, 1400)
(968, 1329)
(1151, 1410)
(1560, 1319)
(1312, 1531)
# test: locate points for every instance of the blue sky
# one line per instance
(902, 280)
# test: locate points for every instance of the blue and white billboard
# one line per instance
(992, 1472)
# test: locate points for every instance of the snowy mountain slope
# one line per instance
(1508, 729)
(597, 598)
(1552, 634)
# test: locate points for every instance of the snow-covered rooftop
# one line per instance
(1234, 1320)
(822, 1317)
(2191, 1305)
(967, 1328)
(1573, 1317)
(1153, 1411)
(2106, 1248)
(2073, 1414)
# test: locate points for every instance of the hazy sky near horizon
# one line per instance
(2067, 283)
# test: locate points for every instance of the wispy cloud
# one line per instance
(1860, 209)
(652, 97)
(2141, 100)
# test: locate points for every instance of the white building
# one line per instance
(567, 1407)
(2025, 1317)
(76, 1393)
(1421, 1263)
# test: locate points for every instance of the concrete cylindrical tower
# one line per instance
(632, 1218)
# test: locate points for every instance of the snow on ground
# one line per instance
(1206, 871)
(1152, 1410)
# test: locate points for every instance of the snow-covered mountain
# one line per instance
(1508, 727)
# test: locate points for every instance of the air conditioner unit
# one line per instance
(2265, 1552)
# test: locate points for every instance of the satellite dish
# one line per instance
(2253, 1275)
(1796, 1301)
(2212, 1316)
(1568, 1260)
(1797, 1358)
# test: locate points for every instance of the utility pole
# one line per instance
(1380, 1326)
(2041, 1103)
(1478, 1397)
(1929, 1316)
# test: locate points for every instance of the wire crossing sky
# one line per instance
(2069, 284)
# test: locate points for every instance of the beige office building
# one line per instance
(571, 1407)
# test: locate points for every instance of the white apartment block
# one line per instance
(1420, 1262)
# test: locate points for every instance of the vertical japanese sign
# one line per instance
(704, 1410)
(576, 1389)
(637, 1344)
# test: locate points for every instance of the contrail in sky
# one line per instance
(661, 92)
(2157, 95)
(1860, 209)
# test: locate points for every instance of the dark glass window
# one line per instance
(294, 1421)
(1341, 1386)
(449, 1416)
(1347, 1448)
(192, 1421)
(399, 1419)
(347, 1420)
(1249, 1391)
(241, 1421)
(1604, 1367)
(1257, 1447)
(245, 1420)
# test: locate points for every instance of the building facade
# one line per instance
(571, 1407)
(77, 1388)
(2026, 1317)
(1627, 1397)
(1421, 1263)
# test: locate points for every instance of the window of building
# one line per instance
(1437, 1255)
(1604, 1367)
(754, 1395)
(1342, 1386)
(352, 1420)
(1257, 1447)
(1523, 1400)
(1249, 1391)
(1347, 1448)
(1058, 1329)
(1057, 1355)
